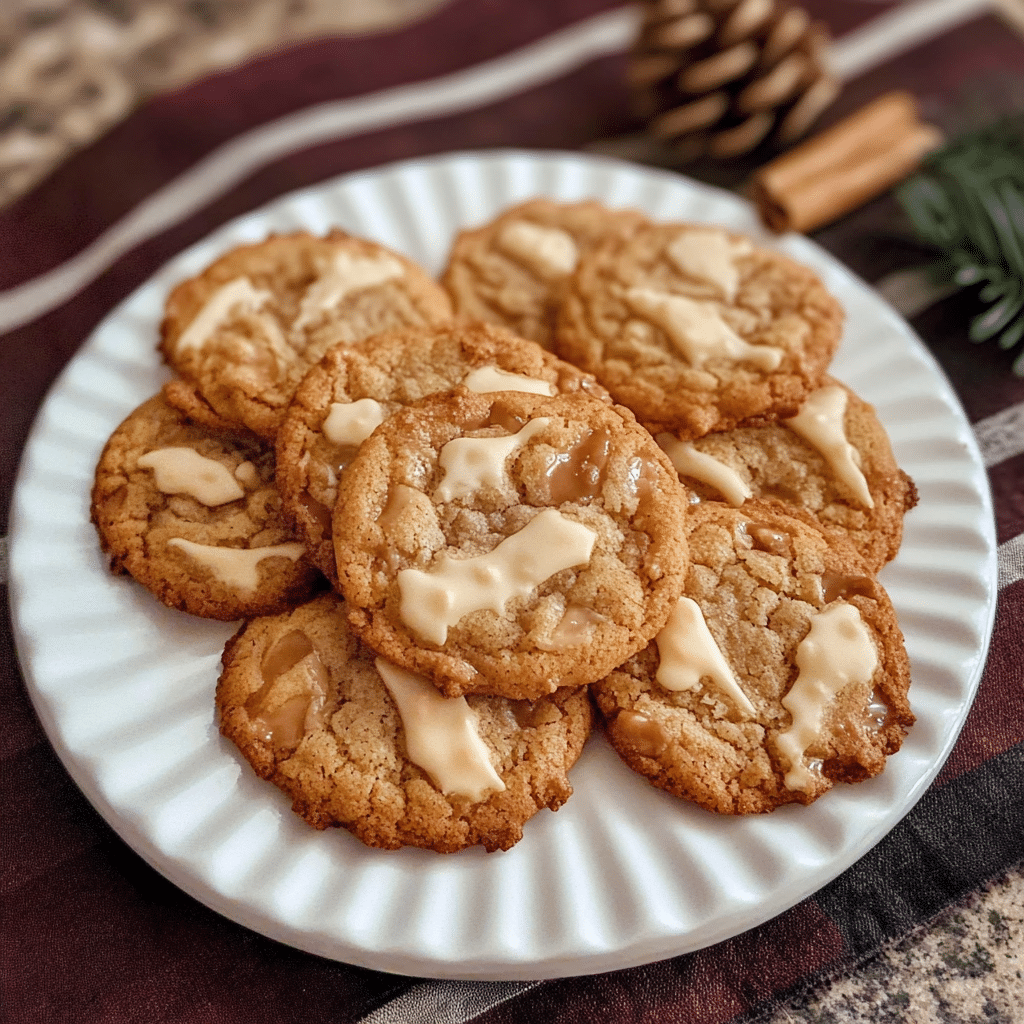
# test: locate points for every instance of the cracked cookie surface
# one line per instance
(244, 331)
(510, 543)
(194, 516)
(310, 710)
(352, 389)
(782, 671)
(696, 329)
(514, 270)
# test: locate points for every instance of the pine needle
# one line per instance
(967, 201)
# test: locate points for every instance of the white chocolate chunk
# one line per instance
(820, 422)
(705, 468)
(236, 567)
(247, 474)
(837, 651)
(473, 462)
(485, 379)
(348, 274)
(687, 653)
(576, 627)
(709, 254)
(351, 423)
(185, 471)
(441, 735)
(549, 252)
(236, 294)
(434, 601)
(698, 331)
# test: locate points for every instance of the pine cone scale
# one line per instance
(743, 137)
(719, 69)
(785, 34)
(779, 85)
(746, 19)
(684, 32)
(692, 117)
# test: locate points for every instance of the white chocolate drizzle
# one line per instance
(348, 274)
(549, 252)
(441, 735)
(485, 379)
(837, 651)
(698, 331)
(690, 462)
(820, 422)
(239, 293)
(236, 567)
(432, 602)
(688, 653)
(351, 423)
(179, 470)
(470, 463)
(709, 254)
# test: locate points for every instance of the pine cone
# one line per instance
(718, 77)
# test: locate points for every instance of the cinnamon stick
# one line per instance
(844, 166)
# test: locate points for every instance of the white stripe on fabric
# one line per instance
(1011, 561)
(900, 29)
(447, 1002)
(1001, 437)
(550, 58)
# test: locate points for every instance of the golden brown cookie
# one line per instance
(697, 329)
(194, 516)
(245, 330)
(352, 389)
(360, 744)
(513, 270)
(833, 460)
(510, 543)
(781, 672)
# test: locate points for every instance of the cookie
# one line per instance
(510, 543)
(782, 670)
(514, 270)
(246, 330)
(360, 744)
(352, 389)
(696, 329)
(833, 460)
(194, 516)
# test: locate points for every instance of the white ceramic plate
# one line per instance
(624, 873)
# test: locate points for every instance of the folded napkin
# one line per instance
(91, 932)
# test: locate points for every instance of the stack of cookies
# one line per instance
(598, 473)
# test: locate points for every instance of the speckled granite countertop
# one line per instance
(966, 966)
(69, 69)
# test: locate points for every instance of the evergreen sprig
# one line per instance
(967, 200)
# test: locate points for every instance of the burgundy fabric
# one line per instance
(88, 932)
(710, 986)
(170, 133)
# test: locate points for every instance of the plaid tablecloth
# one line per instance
(89, 932)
